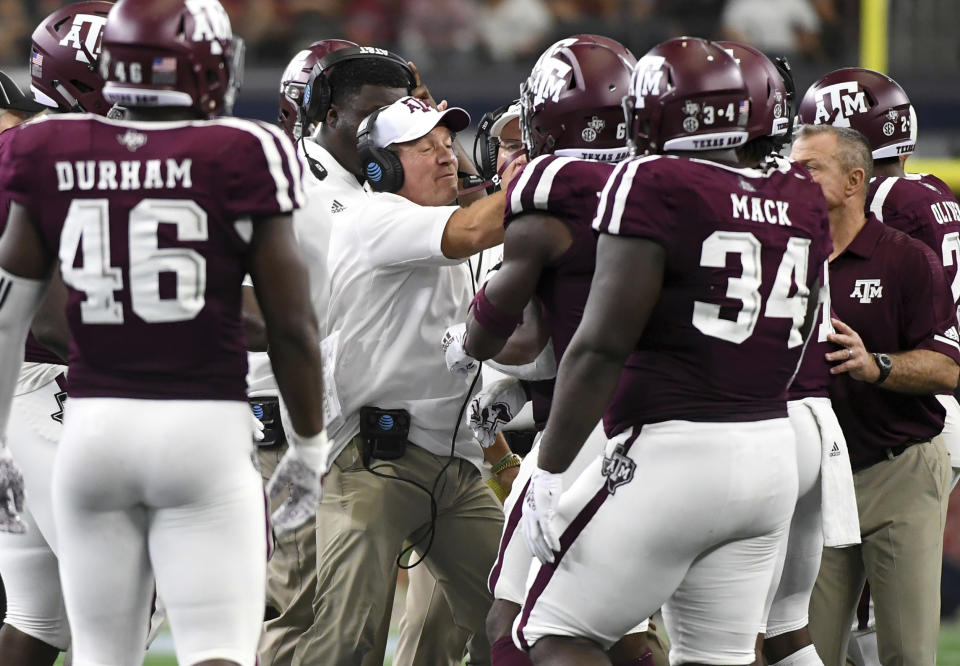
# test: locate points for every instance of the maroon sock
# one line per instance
(504, 653)
(645, 660)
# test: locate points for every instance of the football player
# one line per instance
(294, 81)
(155, 224)
(64, 56)
(573, 140)
(786, 635)
(918, 204)
(691, 333)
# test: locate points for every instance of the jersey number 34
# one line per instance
(746, 287)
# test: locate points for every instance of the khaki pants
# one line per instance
(903, 506)
(291, 580)
(362, 522)
(428, 634)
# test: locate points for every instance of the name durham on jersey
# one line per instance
(758, 209)
(124, 175)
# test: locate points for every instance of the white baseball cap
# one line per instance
(410, 118)
(512, 113)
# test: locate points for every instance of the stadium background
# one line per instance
(476, 52)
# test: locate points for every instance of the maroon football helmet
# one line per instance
(571, 100)
(64, 58)
(770, 93)
(870, 102)
(686, 94)
(295, 79)
(171, 53)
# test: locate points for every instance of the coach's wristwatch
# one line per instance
(885, 363)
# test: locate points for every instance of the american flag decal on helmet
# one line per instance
(164, 71)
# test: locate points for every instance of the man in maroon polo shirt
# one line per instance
(897, 331)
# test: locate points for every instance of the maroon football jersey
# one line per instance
(568, 189)
(33, 351)
(724, 340)
(151, 222)
(922, 206)
(813, 375)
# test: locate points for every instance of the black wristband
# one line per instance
(885, 363)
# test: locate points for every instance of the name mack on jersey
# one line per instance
(88, 175)
(758, 209)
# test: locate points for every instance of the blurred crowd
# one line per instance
(449, 32)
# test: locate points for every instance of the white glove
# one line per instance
(539, 510)
(299, 473)
(494, 407)
(11, 494)
(257, 427)
(458, 362)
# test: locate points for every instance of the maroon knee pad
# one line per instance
(504, 653)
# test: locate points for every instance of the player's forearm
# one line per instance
(921, 372)
(295, 357)
(585, 383)
(480, 343)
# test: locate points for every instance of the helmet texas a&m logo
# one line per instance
(84, 36)
(551, 74)
(837, 103)
(571, 100)
(869, 102)
(210, 21)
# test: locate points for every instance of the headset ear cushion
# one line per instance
(382, 168)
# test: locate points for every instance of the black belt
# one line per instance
(880, 455)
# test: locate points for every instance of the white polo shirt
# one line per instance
(384, 294)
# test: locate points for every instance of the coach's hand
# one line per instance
(11, 494)
(299, 473)
(458, 362)
(494, 407)
(539, 510)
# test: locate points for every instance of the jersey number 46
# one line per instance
(87, 229)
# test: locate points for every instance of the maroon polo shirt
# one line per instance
(891, 289)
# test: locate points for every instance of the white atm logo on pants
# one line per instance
(867, 290)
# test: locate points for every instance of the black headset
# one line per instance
(485, 147)
(317, 94)
(381, 166)
(786, 73)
